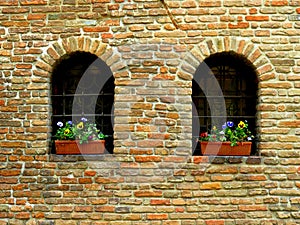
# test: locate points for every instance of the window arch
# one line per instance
(83, 85)
(237, 78)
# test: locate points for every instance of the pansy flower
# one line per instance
(80, 125)
(241, 125)
(67, 131)
(230, 124)
(204, 134)
(60, 124)
(224, 126)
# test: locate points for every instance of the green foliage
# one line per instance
(229, 132)
(82, 131)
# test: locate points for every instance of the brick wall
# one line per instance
(153, 49)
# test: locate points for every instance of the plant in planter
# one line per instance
(80, 137)
(230, 140)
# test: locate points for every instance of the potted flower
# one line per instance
(80, 137)
(230, 140)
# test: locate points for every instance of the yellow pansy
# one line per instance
(80, 125)
(67, 131)
(241, 125)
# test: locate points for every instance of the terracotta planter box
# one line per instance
(70, 147)
(224, 148)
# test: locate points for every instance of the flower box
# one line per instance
(73, 147)
(225, 149)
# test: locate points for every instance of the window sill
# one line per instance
(75, 158)
(249, 160)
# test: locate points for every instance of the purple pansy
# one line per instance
(224, 126)
(230, 124)
(91, 137)
(70, 122)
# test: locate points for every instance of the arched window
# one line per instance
(83, 86)
(237, 85)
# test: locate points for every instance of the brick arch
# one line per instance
(200, 52)
(52, 53)
(65, 46)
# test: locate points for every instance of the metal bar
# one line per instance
(87, 115)
(224, 116)
(224, 96)
(74, 95)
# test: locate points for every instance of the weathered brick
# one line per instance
(153, 89)
(257, 18)
(148, 193)
(157, 216)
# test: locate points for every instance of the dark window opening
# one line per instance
(83, 86)
(238, 82)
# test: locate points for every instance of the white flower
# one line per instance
(60, 124)
(83, 119)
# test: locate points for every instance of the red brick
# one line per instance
(214, 222)
(160, 202)
(20, 187)
(105, 208)
(26, 158)
(36, 16)
(200, 159)
(148, 193)
(33, 2)
(106, 35)
(257, 18)
(157, 216)
(291, 124)
(9, 109)
(211, 186)
(85, 180)
(147, 158)
(22, 215)
(9, 2)
(164, 77)
(9, 173)
(38, 215)
(277, 3)
(96, 29)
(90, 173)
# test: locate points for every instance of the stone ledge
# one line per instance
(75, 158)
(249, 160)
